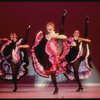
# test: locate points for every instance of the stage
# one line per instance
(28, 91)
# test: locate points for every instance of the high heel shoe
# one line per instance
(79, 89)
(56, 91)
(15, 89)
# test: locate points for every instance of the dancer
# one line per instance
(45, 54)
(13, 63)
(78, 59)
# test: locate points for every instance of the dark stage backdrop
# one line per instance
(15, 16)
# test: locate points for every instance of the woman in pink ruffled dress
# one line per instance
(45, 54)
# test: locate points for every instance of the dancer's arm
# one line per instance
(59, 36)
(23, 46)
(8, 42)
(4, 39)
(84, 39)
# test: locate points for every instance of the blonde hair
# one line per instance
(51, 24)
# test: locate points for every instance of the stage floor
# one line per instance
(28, 91)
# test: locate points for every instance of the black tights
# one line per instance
(15, 70)
(76, 68)
(54, 80)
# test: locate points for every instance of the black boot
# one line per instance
(15, 88)
(76, 75)
(56, 91)
(79, 89)
(53, 76)
(15, 69)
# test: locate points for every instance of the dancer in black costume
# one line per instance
(76, 55)
(13, 57)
